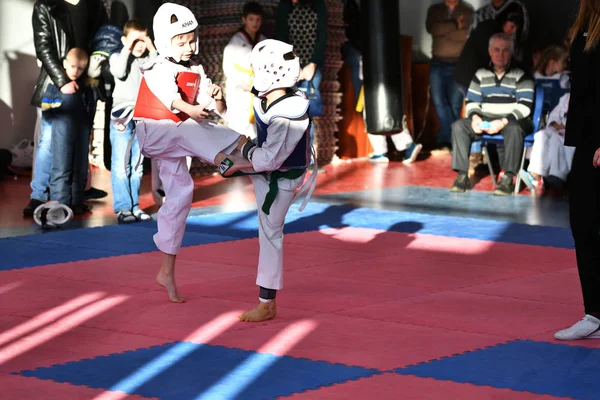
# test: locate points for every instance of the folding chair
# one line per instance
(527, 142)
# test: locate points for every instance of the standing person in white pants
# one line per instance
(174, 98)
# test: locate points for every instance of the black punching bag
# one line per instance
(380, 36)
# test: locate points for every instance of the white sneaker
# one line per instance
(587, 328)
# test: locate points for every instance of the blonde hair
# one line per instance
(589, 19)
(77, 54)
(551, 53)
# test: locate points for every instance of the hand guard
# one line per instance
(232, 164)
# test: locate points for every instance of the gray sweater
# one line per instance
(126, 70)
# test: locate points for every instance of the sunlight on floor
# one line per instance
(145, 373)
(58, 328)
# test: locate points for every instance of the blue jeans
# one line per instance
(125, 182)
(71, 128)
(43, 162)
(446, 97)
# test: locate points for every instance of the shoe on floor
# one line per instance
(587, 328)
(126, 217)
(506, 187)
(140, 215)
(94, 194)
(379, 158)
(461, 184)
(81, 209)
(30, 208)
(412, 153)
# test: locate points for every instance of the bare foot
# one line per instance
(168, 282)
(262, 312)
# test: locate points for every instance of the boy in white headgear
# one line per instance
(280, 155)
(174, 98)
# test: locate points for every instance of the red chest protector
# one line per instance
(149, 106)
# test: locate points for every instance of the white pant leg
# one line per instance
(155, 179)
(538, 159)
(167, 139)
(402, 140)
(379, 144)
(179, 190)
(270, 233)
(562, 157)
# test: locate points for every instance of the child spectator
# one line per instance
(125, 67)
(550, 75)
(71, 116)
(549, 155)
(238, 72)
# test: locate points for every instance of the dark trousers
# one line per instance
(446, 98)
(463, 135)
(71, 129)
(584, 213)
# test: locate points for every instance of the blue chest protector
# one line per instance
(293, 106)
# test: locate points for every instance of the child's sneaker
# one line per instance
(412, 153)
(140, 215)
(126, 217)
(587, 328)
(379, 158)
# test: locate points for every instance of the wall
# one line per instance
(18, 71)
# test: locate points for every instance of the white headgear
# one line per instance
(275, 66)
(164, 30)
(52, 215)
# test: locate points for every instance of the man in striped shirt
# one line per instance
(499, 100)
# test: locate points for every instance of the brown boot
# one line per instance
(475, 159)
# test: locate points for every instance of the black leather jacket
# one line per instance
(53, 38)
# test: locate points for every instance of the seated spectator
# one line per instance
(549, 155)
(499, 100)
(550, 75)
(475, 55)
(475, 52)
